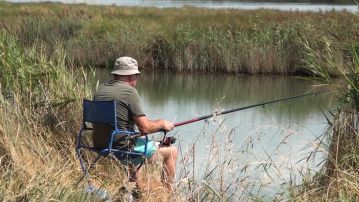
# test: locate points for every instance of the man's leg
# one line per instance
(133, 173)
(169, 155)
(134, 177)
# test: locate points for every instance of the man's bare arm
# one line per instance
(147, 126)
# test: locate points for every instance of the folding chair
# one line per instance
(104, 112)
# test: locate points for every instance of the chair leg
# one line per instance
(93, 163)
(139, 166)
(83, 166)
(134, 172)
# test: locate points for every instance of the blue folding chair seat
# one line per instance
(104, 112)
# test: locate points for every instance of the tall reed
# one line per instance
(338, 179)
(186, 39)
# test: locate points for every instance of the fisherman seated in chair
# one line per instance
(130, 116)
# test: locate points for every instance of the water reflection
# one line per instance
(181, 96)
(206, 90)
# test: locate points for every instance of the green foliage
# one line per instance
(40, 103)
(322, 65)
(21, 72)
(40, 29)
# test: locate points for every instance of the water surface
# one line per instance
(212, 4)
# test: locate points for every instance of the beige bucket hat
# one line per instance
(125, 66)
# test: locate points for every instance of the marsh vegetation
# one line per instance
(46, 51)
(188, 39)
(338, 178)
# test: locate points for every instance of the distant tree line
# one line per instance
(291, 1)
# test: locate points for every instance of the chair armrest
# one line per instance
(129, 134)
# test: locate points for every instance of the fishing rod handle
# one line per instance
(167, 141)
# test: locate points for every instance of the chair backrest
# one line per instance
(104, 112)
(99, 112)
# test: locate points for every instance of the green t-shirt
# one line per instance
(128, 103)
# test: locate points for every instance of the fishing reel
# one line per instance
(167, 141)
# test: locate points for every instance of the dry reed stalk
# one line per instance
(342, 150)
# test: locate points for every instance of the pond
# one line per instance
(280, 5)
(265, 147)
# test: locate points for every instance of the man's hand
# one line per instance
(167, 125)
(167, 141)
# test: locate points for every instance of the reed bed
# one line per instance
(338, 179)
(187, 39)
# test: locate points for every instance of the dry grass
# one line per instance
(338, 178)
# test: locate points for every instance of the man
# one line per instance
(129, 115)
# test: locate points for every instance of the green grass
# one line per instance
(187, 39)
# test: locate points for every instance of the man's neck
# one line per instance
(125, 79)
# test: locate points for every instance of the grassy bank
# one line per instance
(187, 39)
(40, 115)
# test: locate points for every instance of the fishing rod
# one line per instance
(166, 141)
(243, 108)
